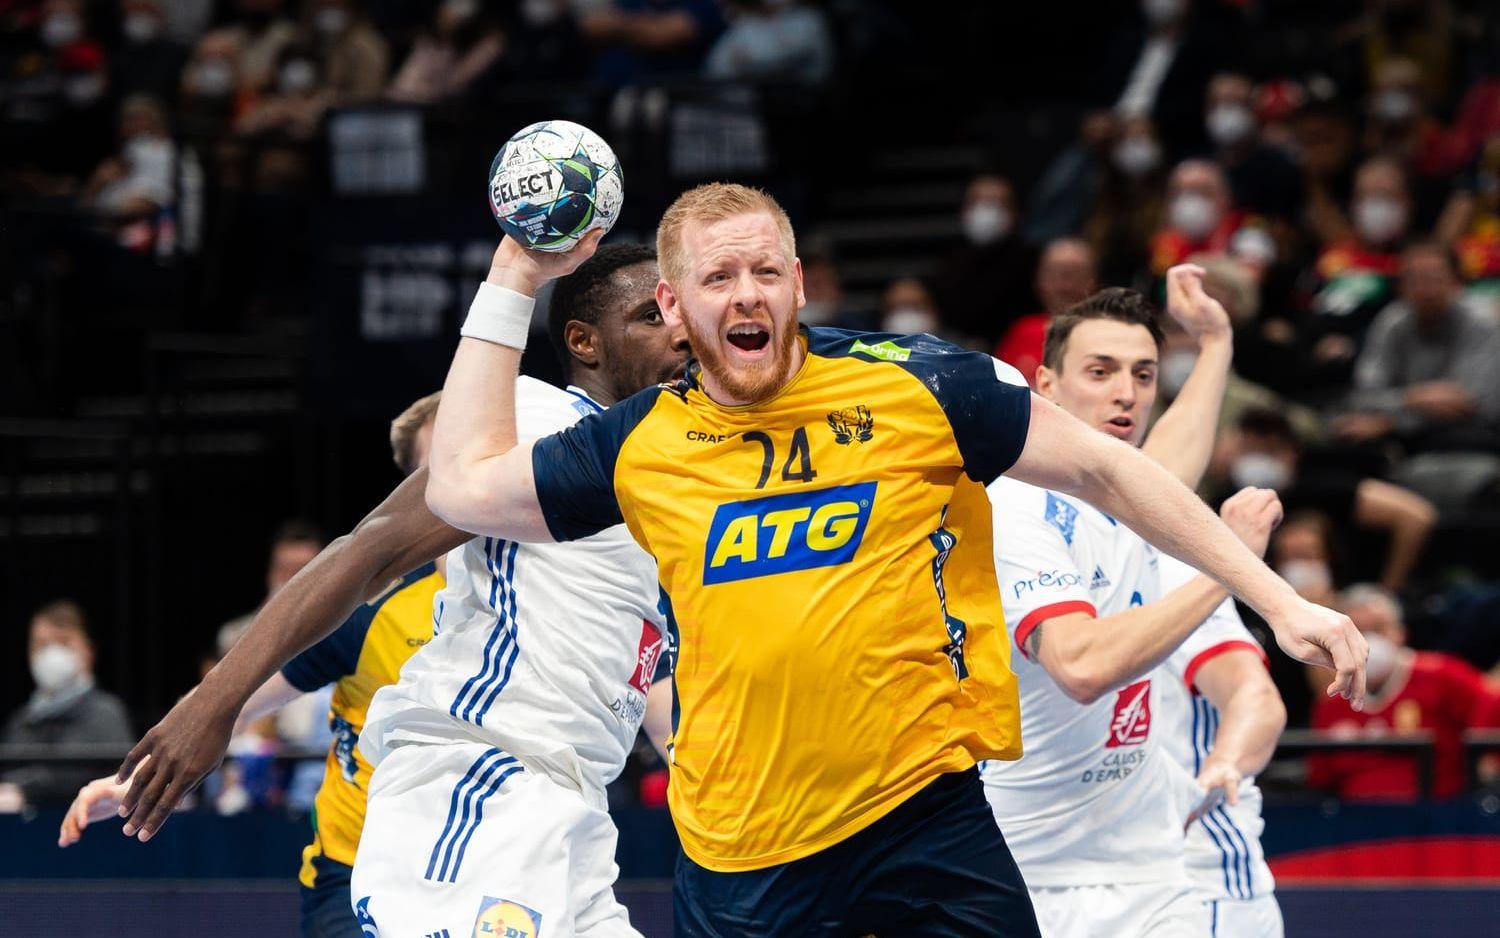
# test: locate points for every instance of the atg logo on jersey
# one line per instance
(781, 533)
(1131, 723)
(501, 918)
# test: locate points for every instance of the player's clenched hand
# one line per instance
(1200, 315)
(95, 801)
(1319, 636)
(517, 268)
(186, 745)
(1252, 514)
(1219, 782)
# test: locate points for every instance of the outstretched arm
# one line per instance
(397, 537)
(1183, 438)
(481, 479)
(1089, 657)
(1062, 453)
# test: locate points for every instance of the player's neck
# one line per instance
(595, 387)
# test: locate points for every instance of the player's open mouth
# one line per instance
(1120, 426)
(749, 337)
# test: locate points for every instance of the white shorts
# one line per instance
(460, 839)
(1245, 918)
(1129, 910)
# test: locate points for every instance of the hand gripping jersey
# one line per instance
(363, 655)
(826, 554)
(1093, 801)
(1223, 849)
(544, 651)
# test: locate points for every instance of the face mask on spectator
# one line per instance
(985, 222)
(84, 89)
(331, 21)
(1260, 470)
(1194, 215)
(298, 76)
(1161, 11)
(61, 29)
(909, 320)
(1229, 124)
(816, 313)
(541, 12)
(1176, 365)
(140, 28)
(1379, 219)
(1137, 156)
(1382, 661)
(54, 666)
(1395, 105)
(1306, 576)
(213, 78)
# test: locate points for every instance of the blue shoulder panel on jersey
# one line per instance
(989, 417)
(575, 468)
(337, 655)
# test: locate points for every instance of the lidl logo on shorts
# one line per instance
(781, 533)
(501, 918)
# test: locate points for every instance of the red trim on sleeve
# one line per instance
(1041, 614)
(1213, 651)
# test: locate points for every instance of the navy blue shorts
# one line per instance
(327, 910)
(937, 865)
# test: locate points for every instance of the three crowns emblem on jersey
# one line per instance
(852, 424)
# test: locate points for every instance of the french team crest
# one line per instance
(852, 424)
(501, 918)
(1062, 516)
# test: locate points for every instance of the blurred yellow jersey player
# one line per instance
(364, 655)
(777, 528)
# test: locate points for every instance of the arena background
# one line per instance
(217, 295)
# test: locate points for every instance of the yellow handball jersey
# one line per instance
(363, 655)
(828, 559)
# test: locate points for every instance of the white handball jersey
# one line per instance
(1092, 801)
(1223, 849)
(543, 650)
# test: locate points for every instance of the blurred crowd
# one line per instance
(1335, 168)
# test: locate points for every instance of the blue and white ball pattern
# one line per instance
(554, 182)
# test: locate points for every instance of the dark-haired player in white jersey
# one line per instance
(1094, 812)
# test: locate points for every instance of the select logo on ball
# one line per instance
(553, 183)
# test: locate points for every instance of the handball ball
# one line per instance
(554, 182)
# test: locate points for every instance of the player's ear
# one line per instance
(797, 282)
(666, 301)
(582, 341)
(1046, 381)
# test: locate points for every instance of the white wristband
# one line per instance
(500, 316)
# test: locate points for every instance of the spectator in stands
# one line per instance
(1302, 552)
(256, 34)
(1263, 179)
(1325, 142)
(294, 545)
(150, 61)
(907, 308)
(986, 283)
(643, 39)
(1409, 692)
(457, 49)
(1265, 452)
(1201, 218)
(1477, 228)
(276, 132)
(129, 190)
(772, 42)
(1065, 275)
(1128, 209)
(355, 59)
(1355, 276)
(65, 709)
(827, 304)
(1430, 369)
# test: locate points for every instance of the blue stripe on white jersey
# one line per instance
(1226, 835)
(502, 648)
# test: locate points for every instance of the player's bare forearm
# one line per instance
(1183, 438)
(1089, 657)
(481, 478)
(398, 536)
(1251, 712)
